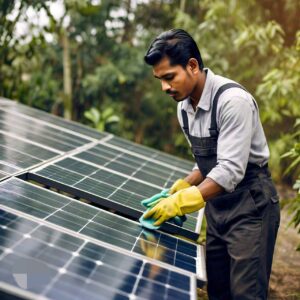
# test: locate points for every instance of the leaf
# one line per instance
(296, 185)
(113, 119)
(93, 115)
(100, 126)
(287, 154)
(107, 112)
(293, 165)
(297, 123)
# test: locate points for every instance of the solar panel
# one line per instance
(82, 251)
(17, 154)
(146, 168)
(29, 137)
(98, 174)
(42, 262)
(29, 113)
(101, 225)
(159, 156)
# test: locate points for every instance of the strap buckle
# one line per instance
(213, 132)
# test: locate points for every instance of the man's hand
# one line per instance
(178, 185)
(154, 200)
(184, 201)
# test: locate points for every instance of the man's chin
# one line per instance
(178, 98)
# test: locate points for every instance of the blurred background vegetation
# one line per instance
(83, 59)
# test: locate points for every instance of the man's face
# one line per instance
(176, 81)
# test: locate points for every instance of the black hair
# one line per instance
(177, 45)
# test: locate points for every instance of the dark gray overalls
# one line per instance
(241, 226)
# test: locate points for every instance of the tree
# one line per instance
(92, 56)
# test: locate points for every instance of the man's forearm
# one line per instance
(206, 186)
(194, 178)
(209, 189)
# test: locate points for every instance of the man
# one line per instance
(220, 120)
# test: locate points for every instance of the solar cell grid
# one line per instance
(17, 113)
(18, 159)
(3, 175)
(119, 142)
(101, 182)
(18, 109)
(27, 141)
(130, 165)
(40, 133)
(13, 161)
(104, 182)
(25, 147)
(148, 152)
(126, 163)
(61, 266)
(69, 239)
(98, 224)
(8, 169)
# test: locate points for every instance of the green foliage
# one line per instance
(280, 96)
(102, 121)
(265, 38)
(248, 41)
(242, 41)
(294, 155)
(279, 86)
(294, 208)
(277, 165)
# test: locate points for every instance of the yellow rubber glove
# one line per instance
(183, 202)
(178, 185)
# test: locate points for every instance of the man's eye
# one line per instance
(169, 78)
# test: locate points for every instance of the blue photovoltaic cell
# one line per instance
(154, 154)
(3, 175)
(17, 154)
(98, 224)
(130, 165)
(103, 183)
(29, 137)
(41, 133)
(17, 109)
(61, 266)
(11, 147)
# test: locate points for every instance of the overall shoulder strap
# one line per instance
(213, 123)
(185, 122)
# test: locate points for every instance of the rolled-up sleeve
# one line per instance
(234, 141)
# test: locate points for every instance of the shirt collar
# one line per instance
(205, 99)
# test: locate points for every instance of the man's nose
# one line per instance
(165, 85)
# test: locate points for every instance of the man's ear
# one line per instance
(193, 66)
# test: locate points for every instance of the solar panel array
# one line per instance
(22, 111)
(59, 265)
(112, 173)
(159, 156)
(81, 250)
(29, 137)
(101, 225)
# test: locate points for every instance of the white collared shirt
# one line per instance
(241, 136)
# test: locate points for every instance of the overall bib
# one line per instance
(241, 226)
